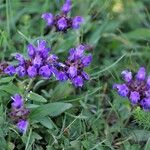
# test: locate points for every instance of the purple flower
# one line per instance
(10, 70)
(48, 17)
(62, 23)
(19, 113)
(87, 60)
(42, 49)
(148, 81)
(79, 52)
(37, 61)
(75, 64)
(72, 54)
(137, 88)
(32, 71)
(17, 101)
(72, 71)
(122, 89)
(141, 74)
(78, 81)
(20, 59)
(31, 51)
(61, 76)
(85, 75)
(145, 103)
(22, 125)
(52, 58)
(20, 71)
(77, 21)
(134, 97)
(41, 45)
(66, 7)
(45, 71)
(126, 75)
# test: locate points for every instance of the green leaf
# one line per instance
(51, 109)
(36, 97)
(147, 146)
(6, 80)
(10, 88)
(47, 122)
(62, 91)
(138, 34)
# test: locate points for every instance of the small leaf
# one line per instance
(138, 34)
(147, 146)
(6, 80)
(36, 97)
(47, 122)
(62, 91)
(51, 109)
(10, 88)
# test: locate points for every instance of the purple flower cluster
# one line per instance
(19, 113)
(136, 88)
(75, 64)
(43, 64)
(62, 22)
(40, 62)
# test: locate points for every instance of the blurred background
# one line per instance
(119, 33)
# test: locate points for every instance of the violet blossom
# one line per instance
(136, 88)
(62, 22)
(19, 113)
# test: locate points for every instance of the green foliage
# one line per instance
(142, 118)
(62, 117)
(52, 109)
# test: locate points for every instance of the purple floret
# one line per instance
(77, 21)
(32, 71)
(66, 7)
(141, 74)
(20, 59)
(20, 71)
(22, 125)
(122, 89)
(45, 71)
(78, 81)
(126, 75)
(31, 51)
(48, 17)
(62, 23)
(10, 70)
(134, 97)
(17, 101)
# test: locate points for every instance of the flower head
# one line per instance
(62, 22)
(74, 66)
(19, 113)
(136, 88)
(40, 62)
